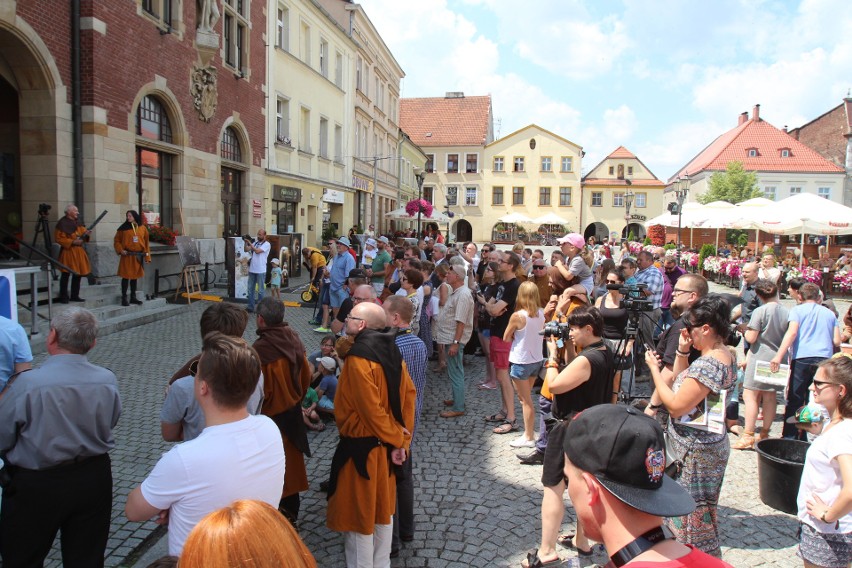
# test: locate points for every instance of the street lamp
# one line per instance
(681, 189)
(628, 202)
(419, 175)
(375, 160)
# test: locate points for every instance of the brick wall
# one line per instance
(115, 66)
(825, 135)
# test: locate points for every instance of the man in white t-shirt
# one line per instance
(257, 267)
(237, 456)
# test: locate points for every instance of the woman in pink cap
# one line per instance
(576, 269)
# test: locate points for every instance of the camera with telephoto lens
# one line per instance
(555, 329)
(248, 238)
(44, 209)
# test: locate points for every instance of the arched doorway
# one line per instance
(30, 172)
(463, 230)
(597, 230)
(636, 229)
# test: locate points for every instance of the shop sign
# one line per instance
(638, 217)
(362, 184)
(256, 208)
(332, 195)
(284, 193)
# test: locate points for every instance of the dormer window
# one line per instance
(785, 153)
(751, 152)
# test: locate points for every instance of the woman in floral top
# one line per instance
(704, 453)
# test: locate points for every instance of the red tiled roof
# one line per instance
(621, 152)
(756, 133)
(440, 121)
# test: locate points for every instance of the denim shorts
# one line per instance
(522, 371)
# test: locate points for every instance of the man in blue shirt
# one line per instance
(399, 312)
(15, 352)
(651, 276)
(812, 334)
(343, 263)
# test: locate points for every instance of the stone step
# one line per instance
(111, 318)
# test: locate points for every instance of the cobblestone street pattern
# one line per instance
(476, 505)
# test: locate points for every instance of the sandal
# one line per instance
(746, 442)
(567, 540)
(498, 417)
(506, 427)
(533, 561)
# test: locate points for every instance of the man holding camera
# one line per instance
(259, 250)
(650, 275)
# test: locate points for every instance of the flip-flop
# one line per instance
(533, 561)
(483, 386)
(498, 417)
(506, 427)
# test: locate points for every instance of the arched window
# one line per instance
(154, 163)
(231, 183)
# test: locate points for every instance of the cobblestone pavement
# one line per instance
(476, 505)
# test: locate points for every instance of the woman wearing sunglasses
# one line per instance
(825, 494)
(704, 454)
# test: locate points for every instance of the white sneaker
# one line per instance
(522, 443)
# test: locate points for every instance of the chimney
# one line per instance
(784, 130)
(755, 114)
(742, 119)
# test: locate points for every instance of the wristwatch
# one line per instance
(456, 342)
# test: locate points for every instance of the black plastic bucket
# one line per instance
(779, 469)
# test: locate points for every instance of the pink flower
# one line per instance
(415, 205)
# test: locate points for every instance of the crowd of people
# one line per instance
(585, 324)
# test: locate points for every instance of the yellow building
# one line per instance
(309, 188)
(412, 163)
(618, 196)
(532, 173)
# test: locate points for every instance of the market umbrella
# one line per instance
(515, 218)
(550, 219)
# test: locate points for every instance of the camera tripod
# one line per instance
(43, 229)
(632, 333)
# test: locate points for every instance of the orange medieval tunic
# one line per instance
(134, 240)
(361, 409)
(280, 393)
(73, 256)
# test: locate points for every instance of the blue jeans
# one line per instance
(255, 280)
(802, 373)
(455, 369)
(544, 407)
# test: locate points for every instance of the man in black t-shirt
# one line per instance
(689, 288)
(500, 308)
(357, 277)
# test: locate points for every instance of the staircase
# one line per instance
(103, 299)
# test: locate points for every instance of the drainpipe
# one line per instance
(77, 106)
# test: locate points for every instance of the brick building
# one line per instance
(169, 119)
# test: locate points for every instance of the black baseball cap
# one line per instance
(357, 273)
(624, 449)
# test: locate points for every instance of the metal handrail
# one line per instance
(46, 257)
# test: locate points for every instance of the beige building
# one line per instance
(534, 173)
(309, 122)
(412, 163)
(618, 196)
(453, 131)
(375, 140)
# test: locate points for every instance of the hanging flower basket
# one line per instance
(415, 205)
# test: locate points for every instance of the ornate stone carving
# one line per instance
(204, 94)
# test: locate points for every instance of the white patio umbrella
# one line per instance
(515, 218)
(550, 219)
(800, 214)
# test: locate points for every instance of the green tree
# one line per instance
(734, 185)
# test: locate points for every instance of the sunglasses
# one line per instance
(822, 384)
(538, 267)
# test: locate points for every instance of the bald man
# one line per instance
(374, 411)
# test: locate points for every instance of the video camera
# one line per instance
(44, 209)
(633, 299)
(248, 238)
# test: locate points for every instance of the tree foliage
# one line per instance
(734, 185)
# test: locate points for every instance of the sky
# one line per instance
(661, 77)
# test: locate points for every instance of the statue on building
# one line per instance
(208, 15)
